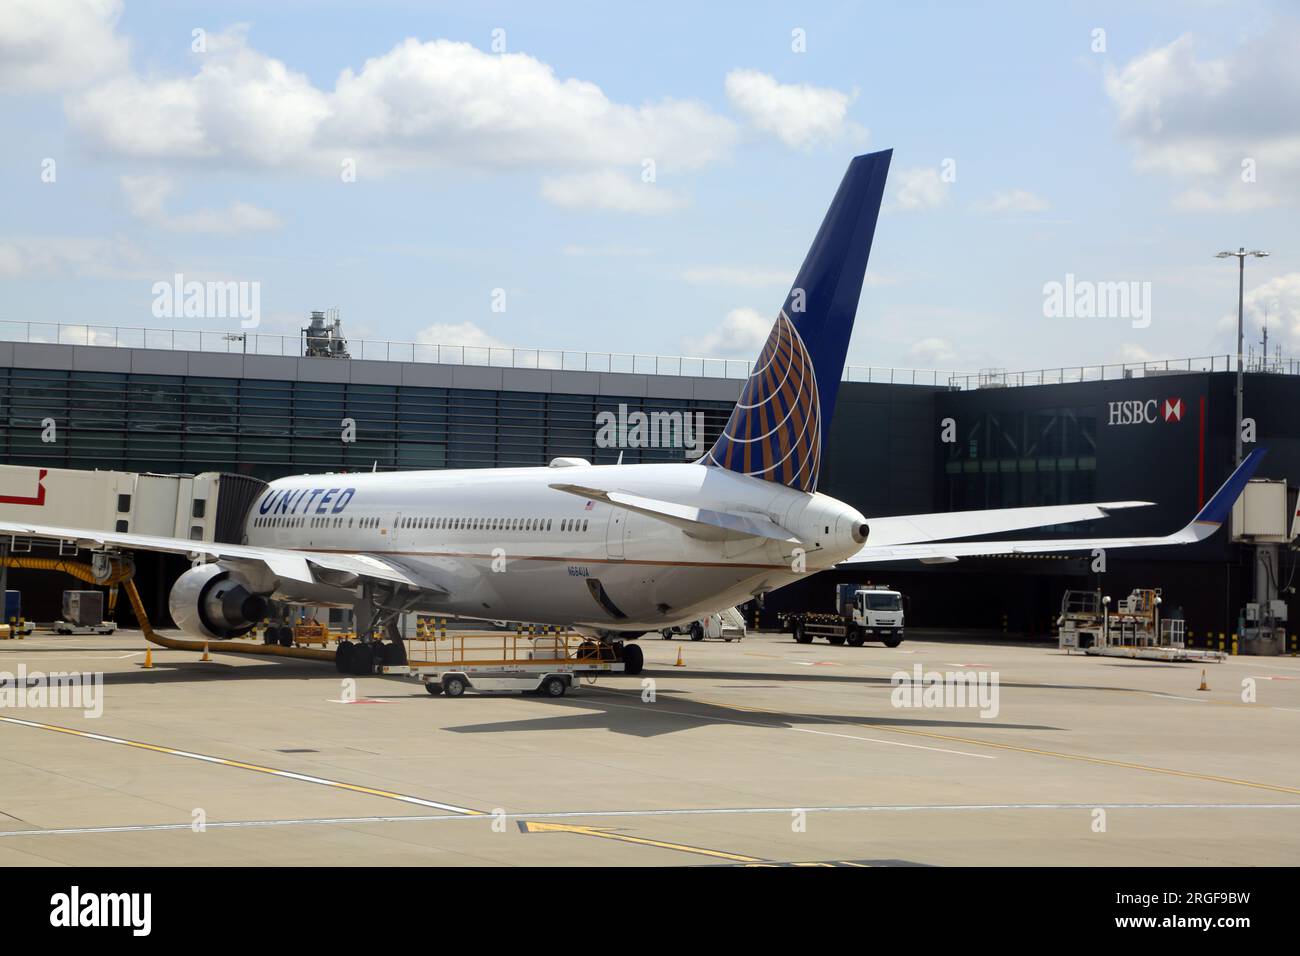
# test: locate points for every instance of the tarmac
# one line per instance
(759, 752)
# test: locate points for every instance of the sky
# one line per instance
(647, 177)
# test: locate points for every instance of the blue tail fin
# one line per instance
(779, 427)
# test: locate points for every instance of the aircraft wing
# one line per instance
(911, 529)
(1206, 522)
(704, 523)
(287, 563)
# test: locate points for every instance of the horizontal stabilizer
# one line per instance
(907, 529)
(702, 523)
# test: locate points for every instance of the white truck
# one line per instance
(863, 612)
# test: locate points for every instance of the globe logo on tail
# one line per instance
(774, 432)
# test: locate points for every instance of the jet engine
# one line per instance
(211, 601)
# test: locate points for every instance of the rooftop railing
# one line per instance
(264, 343)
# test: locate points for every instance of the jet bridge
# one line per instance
(209, 507)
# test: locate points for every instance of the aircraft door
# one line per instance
(615, 532)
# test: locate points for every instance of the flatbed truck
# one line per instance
(863, 612)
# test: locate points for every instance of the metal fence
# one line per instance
(263, 343)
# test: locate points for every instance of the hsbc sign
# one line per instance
(1148, 412)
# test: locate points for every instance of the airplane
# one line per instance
(614, 551)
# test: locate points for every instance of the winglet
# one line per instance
(1218, 508)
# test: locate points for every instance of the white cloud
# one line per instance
(422, 104)
(58, 44)
(1130, 353)
(741, 333)
(1010, 202)
(735, 275)
(920, 188)
(36, 257)
(799, 114)
(932, 352)
(465, 334)
(147, 197)
(1279, 297)
(611, 191)
(1198, 120)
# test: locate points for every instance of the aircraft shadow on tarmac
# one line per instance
(194, 671)
(813, 677)
(626, 714)
(190, 672)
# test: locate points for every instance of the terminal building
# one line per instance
(901, 443)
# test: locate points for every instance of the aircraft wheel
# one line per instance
(344, 656)
(633, 659)
(667, 632)
(286, 637)
(363, 661)
(697, 632)
(268, 635)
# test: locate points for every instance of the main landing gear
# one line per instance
(377, 615)
(631, 656)
(366, 657)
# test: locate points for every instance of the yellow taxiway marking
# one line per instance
(604, 833)
(256, 768)
(973, 741)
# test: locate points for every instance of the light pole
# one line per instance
(1240, 255)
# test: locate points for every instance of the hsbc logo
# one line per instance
(1148, 412)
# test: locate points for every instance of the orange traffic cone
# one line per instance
(148, 657)
(680, 662)
(205, 656)
(1204, 686)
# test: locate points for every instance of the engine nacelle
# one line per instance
(210, 601)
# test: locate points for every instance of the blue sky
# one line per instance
(478, 171)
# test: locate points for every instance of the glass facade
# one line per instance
(268, 429)
(1011, 458)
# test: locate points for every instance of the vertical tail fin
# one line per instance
(779, 426)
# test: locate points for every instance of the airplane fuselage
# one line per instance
(504, 545)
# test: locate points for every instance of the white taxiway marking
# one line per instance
(685, 812)
(242, 765)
